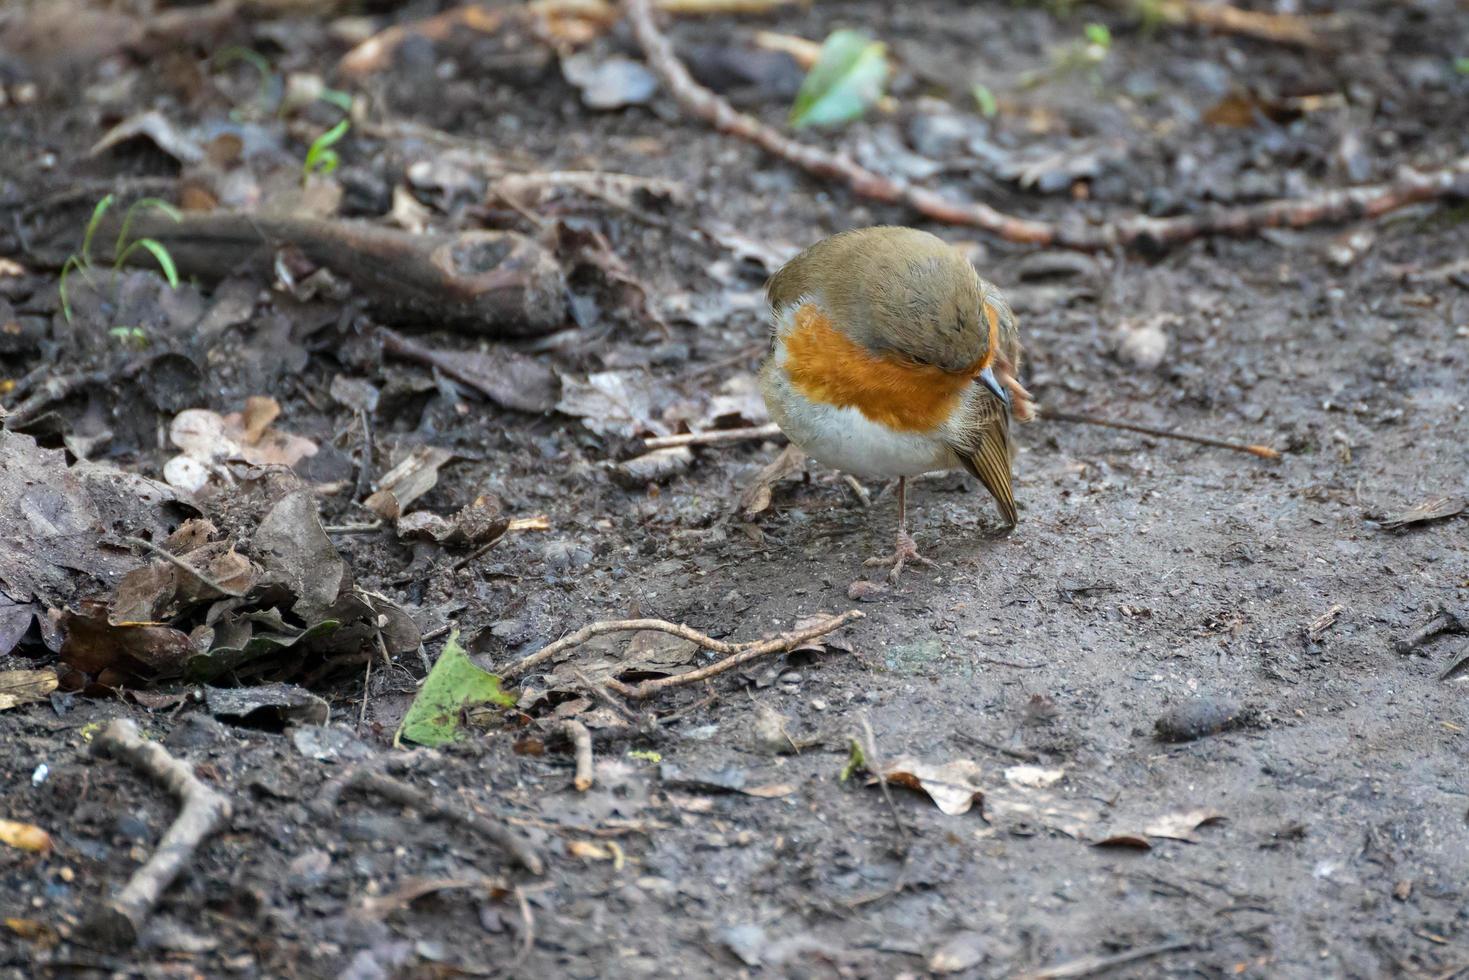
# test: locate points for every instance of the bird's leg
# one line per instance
(905, 550)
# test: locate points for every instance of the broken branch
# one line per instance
(119, 920)
(714, 437)
(1254, 449)
(396, 791)
(581, 744)
(734, 653)
(744, 653)
(494, 283)
(1138, 231)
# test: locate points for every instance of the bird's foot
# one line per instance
(904, 552)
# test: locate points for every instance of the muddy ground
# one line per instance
(1324, 833)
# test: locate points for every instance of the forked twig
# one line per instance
(734, 654)
(119, 920)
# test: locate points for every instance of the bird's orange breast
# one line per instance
(827, 366)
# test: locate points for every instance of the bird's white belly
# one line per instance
(845, 439)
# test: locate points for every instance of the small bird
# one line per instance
(892, 357)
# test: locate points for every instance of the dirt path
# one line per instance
(1322, 833)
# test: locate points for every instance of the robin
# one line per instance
(892, 357)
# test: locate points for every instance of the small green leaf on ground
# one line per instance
(453, 684)
(1461, 65)
(1099, 35)
(847, 79)
(985, 99)
(856, 761)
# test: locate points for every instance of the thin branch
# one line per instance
(746, 653)
(1138, 231)
(526, 663)
(119, 920)
(1254, 449)
(714, 437)
(188, 569)
(581, 743)
(734, 653)
(1088, 965)
(393, 790)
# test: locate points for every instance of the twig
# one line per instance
(536, 522)
(167, 555)
(1024, 755)
(869, 752)
(746, 653)
(366, 528)
(1254, 449)
(1221, 17)
(476, 554)
(1324, 622)
(605, 696)
(119, 920)
(527, 930)
(1137, 231)
(1088, 965)
(364, 471)
(734, 653)
(714, 437)
(1009, 663)
(1443, 621)
(396, 791)
(581, 743)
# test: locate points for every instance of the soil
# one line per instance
(1325, 830)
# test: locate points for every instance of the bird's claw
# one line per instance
(904, 552)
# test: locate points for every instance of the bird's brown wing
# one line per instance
(986, 450)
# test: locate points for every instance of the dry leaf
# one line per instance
(1432, 509)
(954, 786)
(757, 495)
(259, 412)
(406, 482)
(27, 837)
(1181, 824)
(19, 687)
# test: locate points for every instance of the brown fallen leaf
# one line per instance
(757, 496)
(1432, 509)
(25, 836)
(260, 411)
(1178, 825)
(954, 786)
(1181, 824)
(19, 687)
(406, 482)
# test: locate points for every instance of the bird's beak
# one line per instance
(987, 377)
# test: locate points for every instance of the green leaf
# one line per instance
(1099, 35)
(96, 220)
(335, 96)
(453, 684)
(320, 157)
(985, 99)
(856, 761)
(1461, 65)
(144, 204)
(165, 261)
(846, 80)
(72, 262)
